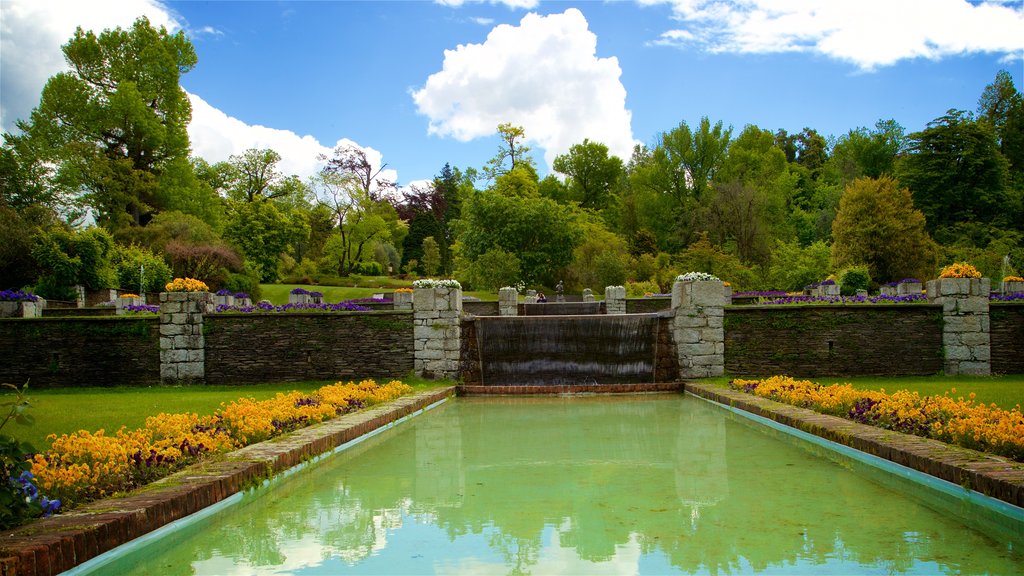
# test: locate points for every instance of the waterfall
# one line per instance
(562, 350)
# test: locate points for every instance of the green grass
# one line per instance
(67, 410)
(278, 293)
(1006, 391)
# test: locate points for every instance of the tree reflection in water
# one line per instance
(520, 482)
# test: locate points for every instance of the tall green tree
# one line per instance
(878, 226)
(115, 124)
(590, 172)
(956, 174)
(863, 152)
(513, 149)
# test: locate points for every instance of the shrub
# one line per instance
(210, 262)
(853, 279)
(130, 261)
(640, 289)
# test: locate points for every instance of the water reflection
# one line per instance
(594, 485)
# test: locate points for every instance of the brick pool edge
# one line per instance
(53, 545)
(993, 476)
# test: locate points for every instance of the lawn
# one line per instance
(278, 293)
(67, 410)
(1006, 391)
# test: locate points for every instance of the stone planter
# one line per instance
(615, 300)
(966, 341)
(908, 288)
(698, 330)
(402, 300)
(121, 303)
(508, 302)
(299, 299)
(728, 293)
(21, 309)
(828, 290)
(531, 297)
(224, 300)
(1012, 287)
(437, 331)
(887, 291)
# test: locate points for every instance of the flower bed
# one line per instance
(85, 466)
(955, 421)
(882, 299)
(17, 296)
(266, 307)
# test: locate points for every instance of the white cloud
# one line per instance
(866, 33)
(543, 75)
(32, 32)
(527, 4)
(482, 21)
(215, 136)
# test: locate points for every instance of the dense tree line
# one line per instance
(107, 145)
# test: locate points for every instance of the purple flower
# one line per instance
(17, 296)
(1014, 297)
(909, 281)
(224, 292)
(142, 309)
(241, 295)
(300, 291)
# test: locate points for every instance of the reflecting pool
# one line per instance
(586, 485)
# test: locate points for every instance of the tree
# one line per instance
(350, 162)
(359, 217)
(431, 256)
(956, 174)
(997, 104)
(540, 232)
(512, 149)
(878, 226)
(863, 152)
(263, 232)
(591, 173)
(116, 122)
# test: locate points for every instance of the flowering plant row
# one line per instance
(85, 466)
(142, 309)
(1014, 297)
(829, 282)
(883, 299)
(695, 276)
(186, 285)
(307, 292)
(960, 270)
(17, 296)
(264, 306)
(226, 292)
(1013, 279)
(987, 428)
(431, 283)
(403, 289)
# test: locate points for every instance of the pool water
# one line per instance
(656, 484)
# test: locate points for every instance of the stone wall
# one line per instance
(647, 305)
(965, 328)
(68, 352)
(437, 334)
(246, 348)
(808, 341)
(1006, 321)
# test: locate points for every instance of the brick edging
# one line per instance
(53, 545)
(991, 475)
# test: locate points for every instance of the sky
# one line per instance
(421, 84)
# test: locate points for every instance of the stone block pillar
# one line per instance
(437, 316)
(182, 344)
(698, 332)
(508, 302)
(402, 300)
(531, 297)
(965, 324)
(121, 303)
(615, 300)
(588, 295)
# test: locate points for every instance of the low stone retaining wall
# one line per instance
(822, 340)
(53, 545)
(1007, 334)
(315, 346)
(993, 476)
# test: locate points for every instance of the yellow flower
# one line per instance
(1013, 279)
(960, 270)
(186, 285)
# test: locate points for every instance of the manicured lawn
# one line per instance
(1006, 391)
(64, 411)
(278, 293)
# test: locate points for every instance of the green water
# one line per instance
(614, 485)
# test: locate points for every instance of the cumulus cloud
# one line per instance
(866, 33)
(216, 136)
(32, 32)
(543, 75)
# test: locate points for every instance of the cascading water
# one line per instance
(565, 350)
(562, 308)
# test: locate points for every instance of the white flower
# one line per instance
(692, 276)
(431, 283)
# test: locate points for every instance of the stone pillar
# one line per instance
(588, 295)
(698, 332)
(531, 297)
(508, 302)
(615, 300)
(1011, 287)
(437, 316)
(80, 295)
(21, 309)
(401, 300)
(121, 303)
(182, 344)
(908, 288)
(965, 324)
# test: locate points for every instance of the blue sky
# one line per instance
(422, 83)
